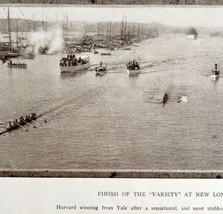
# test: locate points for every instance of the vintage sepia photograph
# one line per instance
(111, 88)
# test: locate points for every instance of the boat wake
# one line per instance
(62, 108)
(182, 99)
(158, 99)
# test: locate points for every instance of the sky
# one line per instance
(204, 16)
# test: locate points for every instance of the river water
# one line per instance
(116, 121)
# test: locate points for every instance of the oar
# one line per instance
(34, 121)
(30, 124)
(22, 127)
(43, 120)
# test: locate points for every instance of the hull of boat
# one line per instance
(165, 100)
(74, 69)
(11, 129)
(100, 72)
(191, 36)
(133, 72)
(27, 57)
(22, 123)
(17, 66)
(9, 54)
(215, 76)
(105, 54)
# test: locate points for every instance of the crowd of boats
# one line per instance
(132, 67)
(73, 64)
(10, 64)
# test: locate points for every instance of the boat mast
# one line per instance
(17, 32)
(107, 30)
(66, 24)
(133, 31)
(138, 30)
(64, 27)
(85, 29)
(9, 29)
(43, 27)
(34, 22)
(122, 26)
(97, 28)
(102, 30)
(46, 23)
(110, 30)
(134, 54)
(125, 29)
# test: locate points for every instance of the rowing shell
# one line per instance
(9, 130)
(165, 99)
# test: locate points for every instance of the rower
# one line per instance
(21, 119)
(14, 124)
(33, 116)
(9, 125)
(27, 118)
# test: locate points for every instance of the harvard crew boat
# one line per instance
(165, 99)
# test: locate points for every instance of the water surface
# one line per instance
(116, 121)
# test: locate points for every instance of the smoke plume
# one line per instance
(52, 38)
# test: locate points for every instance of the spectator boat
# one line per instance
(73, 64)
(101, 69)
(133, 68)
